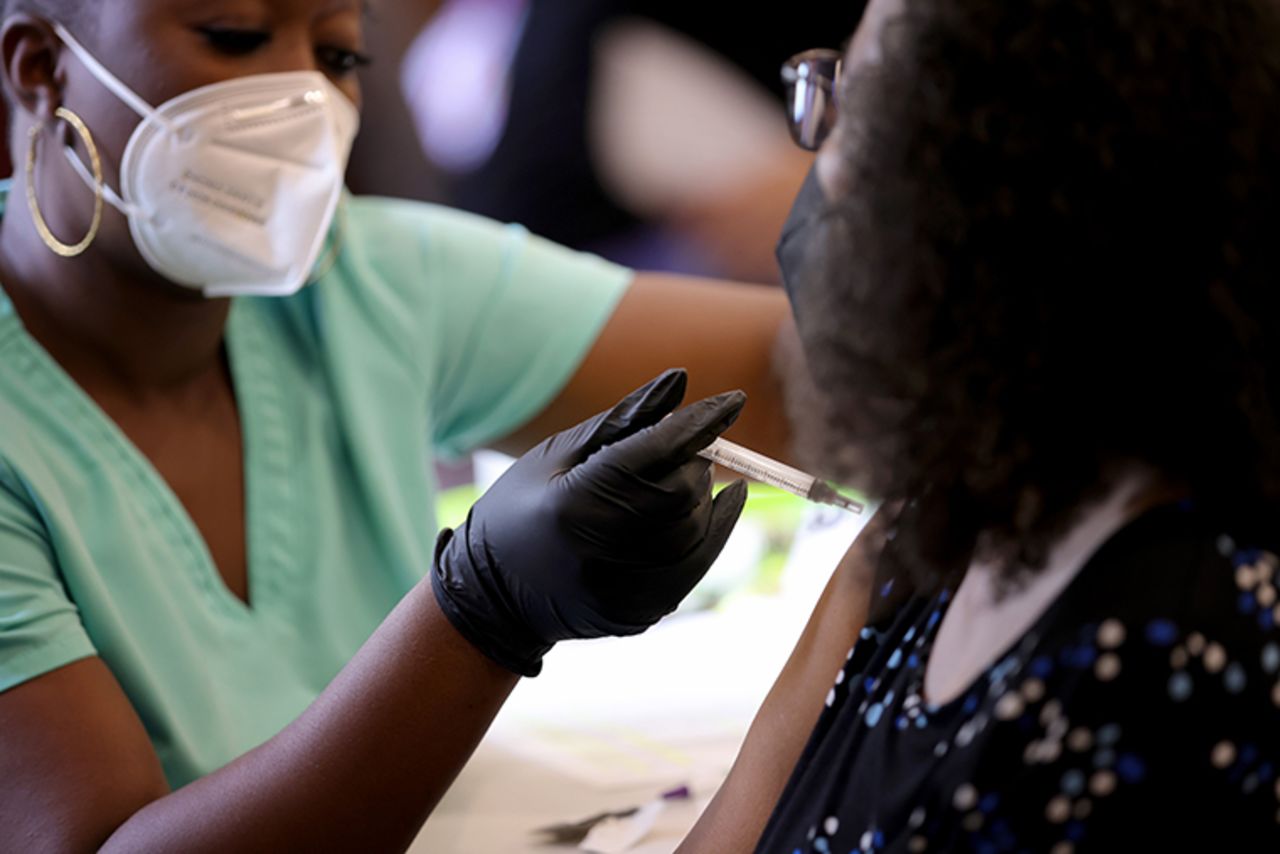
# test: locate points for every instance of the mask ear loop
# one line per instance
(109, 80)
(99, 185)
(130, 98)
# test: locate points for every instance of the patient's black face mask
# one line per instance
(801, 246)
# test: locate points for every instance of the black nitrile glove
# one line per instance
(600, 530)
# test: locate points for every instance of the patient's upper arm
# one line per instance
(737, 816)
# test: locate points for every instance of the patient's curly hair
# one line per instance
(1058, 252)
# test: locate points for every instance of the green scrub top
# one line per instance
(436, 331)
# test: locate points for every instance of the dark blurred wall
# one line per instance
(387, 159)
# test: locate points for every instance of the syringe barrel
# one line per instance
(758, 467)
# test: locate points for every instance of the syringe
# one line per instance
(760, 468)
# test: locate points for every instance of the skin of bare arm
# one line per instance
(736, 817)
(724, 334)
(361, 769)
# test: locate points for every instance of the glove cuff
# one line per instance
(478, 605)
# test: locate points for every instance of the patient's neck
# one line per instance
(986, 617)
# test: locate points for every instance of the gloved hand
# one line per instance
(600, 530)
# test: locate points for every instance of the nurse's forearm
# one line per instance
(725, 334)
(362, 768)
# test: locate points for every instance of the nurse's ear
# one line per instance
(34, 69)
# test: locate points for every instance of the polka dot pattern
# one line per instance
(1083, 764)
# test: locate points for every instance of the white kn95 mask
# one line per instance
(231, 188)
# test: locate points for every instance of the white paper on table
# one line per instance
(618, 835)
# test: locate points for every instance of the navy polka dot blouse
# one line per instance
(1141, 712)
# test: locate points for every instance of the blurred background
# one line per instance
(648, 131)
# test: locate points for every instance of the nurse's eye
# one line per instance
(339, 61)
(235, 42)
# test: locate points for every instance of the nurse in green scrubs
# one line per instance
(223, 384)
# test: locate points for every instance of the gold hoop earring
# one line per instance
(66, 250)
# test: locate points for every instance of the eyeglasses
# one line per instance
(811, 79)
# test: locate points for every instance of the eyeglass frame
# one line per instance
(812, 78)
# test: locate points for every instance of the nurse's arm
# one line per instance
(736, 817)
(359, 770)
(725, 335)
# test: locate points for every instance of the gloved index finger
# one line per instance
(677, 439)
(641, 408)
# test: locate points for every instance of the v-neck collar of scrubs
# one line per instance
(271, 527)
